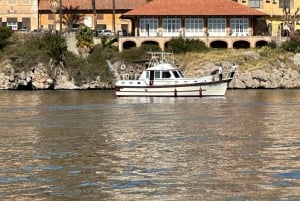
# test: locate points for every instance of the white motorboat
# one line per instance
(162, 78)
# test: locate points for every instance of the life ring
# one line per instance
(123, 67)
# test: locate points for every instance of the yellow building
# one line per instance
(76, 13)
(274, 9)
(19, 14)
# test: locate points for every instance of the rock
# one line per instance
(274, 74)
(63, 82)
(41, 79)
(296, 59)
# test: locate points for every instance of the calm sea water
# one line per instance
(90, 145)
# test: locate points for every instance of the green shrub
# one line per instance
(151, 48)
(85, 70)
(5, 33)
(292, 45)
(181, 45)
(26, 52)
(176, 45)
(133, 54)
(272, 44)
(55, 45)
(84, 41)
(265, 51)
(195, 45)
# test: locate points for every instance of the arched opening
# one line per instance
(219, 44)
(151, 45)
(129, 44)
(241, 44)
(261, 43)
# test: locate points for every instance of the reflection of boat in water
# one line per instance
(162, 78)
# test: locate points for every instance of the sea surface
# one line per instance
(90, 145)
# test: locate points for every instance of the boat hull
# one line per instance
(195, 90)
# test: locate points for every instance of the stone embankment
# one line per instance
(279, 73)
(43, 77)
(46, 76)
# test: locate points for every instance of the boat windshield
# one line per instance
(178, 74)
(181, 73)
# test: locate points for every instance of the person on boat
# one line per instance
(232, 70)
(220, 70)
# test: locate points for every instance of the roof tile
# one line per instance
(193, 7)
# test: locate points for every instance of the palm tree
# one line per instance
(53, 8)
(95, 15)
(114, 15)
(71, 16)
(85, 41)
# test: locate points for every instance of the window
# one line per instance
(286, 3)
(101, 26)
(50, 16)
(157, 74)
(148, 26)
(255, 3)
(217, 26)
(176, 74)
(194, 25)
(171, 24)
(166, 74)
(100, 16)
(26, 2)
(26, 22)
(239, 26)
(13, 23)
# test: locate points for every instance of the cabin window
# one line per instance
(147, 74)
(157, 74)
(166, 74)
(176, 74)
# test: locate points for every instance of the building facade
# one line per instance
(218, 23)
(19, 14)
(76, 13)
(274, 11)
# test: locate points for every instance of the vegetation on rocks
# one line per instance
(5, 33)
(85, 42)
(25, 51)
(181, 45)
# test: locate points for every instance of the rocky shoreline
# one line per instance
(278, 75)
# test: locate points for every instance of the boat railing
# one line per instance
(160, 58)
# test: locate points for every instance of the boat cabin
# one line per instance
(161, 73)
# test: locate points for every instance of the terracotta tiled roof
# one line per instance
(100, 4)
(193, 7)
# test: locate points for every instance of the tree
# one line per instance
(95, 15)
(289, 19)
(56, 46)
(53, 8)
(71, 17)
(85, 41)
(5, 33)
